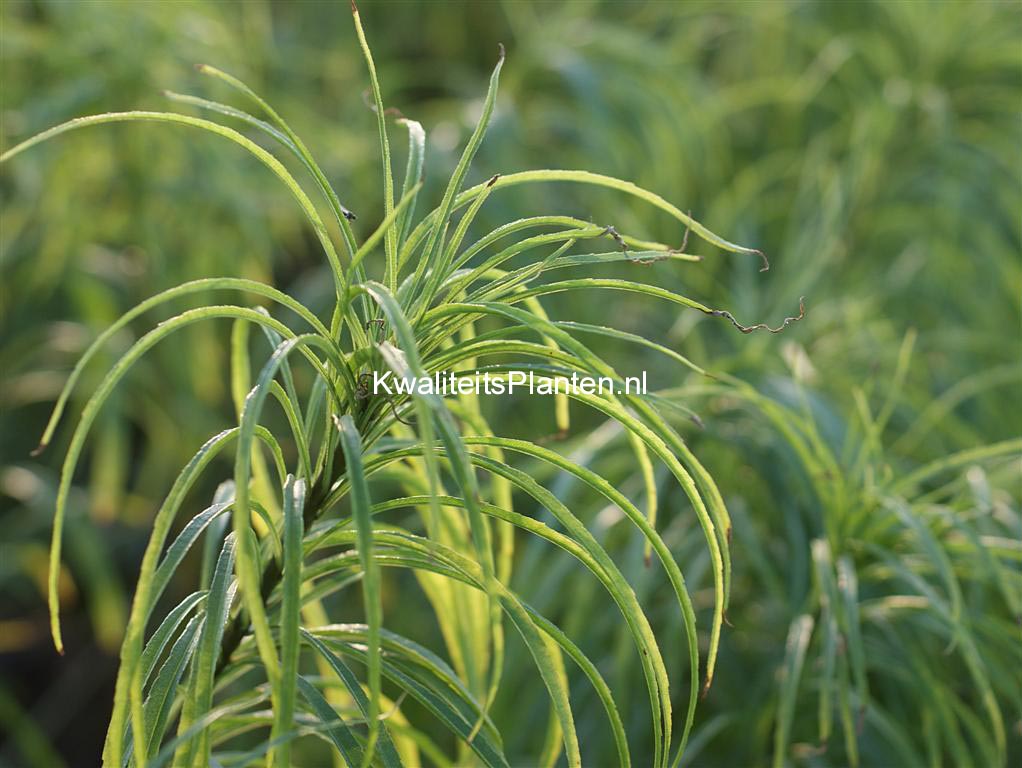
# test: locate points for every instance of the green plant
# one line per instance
(306, 530)
(897, 584)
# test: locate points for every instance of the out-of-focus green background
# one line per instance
(871, 149)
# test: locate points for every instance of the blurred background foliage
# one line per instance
(871, 149)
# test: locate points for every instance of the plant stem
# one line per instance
(239, 625)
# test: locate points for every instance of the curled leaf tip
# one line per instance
(766, 261)
(762, 326)
(39, 449)
(503, 52)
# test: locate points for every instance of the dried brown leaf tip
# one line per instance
(762, 326)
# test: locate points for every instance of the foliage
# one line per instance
(871, 470)
(414, 321)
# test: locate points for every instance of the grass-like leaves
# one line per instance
(250, 649)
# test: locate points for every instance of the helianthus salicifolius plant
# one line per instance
(300, 526)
